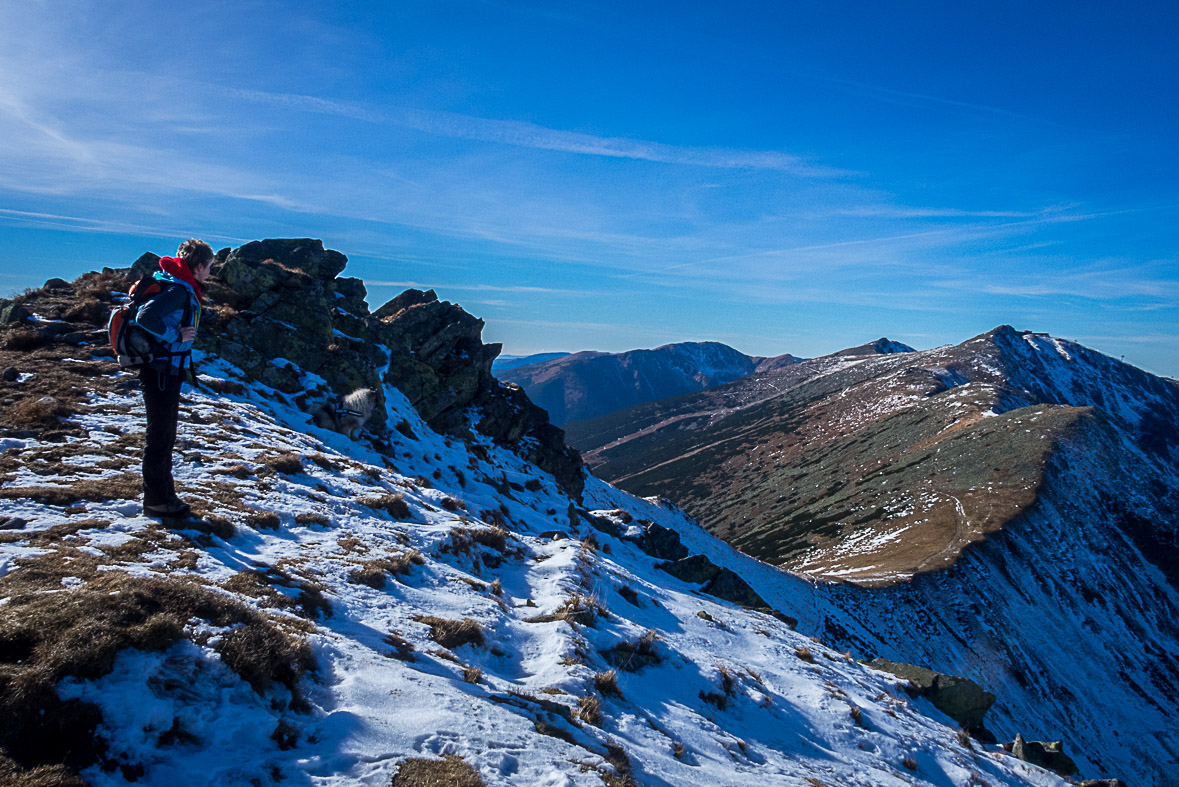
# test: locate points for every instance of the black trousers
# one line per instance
(161, 398)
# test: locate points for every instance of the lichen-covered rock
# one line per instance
(961, 699)
(11, 312)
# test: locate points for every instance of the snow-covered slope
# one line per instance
(1014, 503)
(303, 527)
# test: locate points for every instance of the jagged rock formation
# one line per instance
(281, 310)
(589, 384)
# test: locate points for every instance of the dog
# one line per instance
(349, 415)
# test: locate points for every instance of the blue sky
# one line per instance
(781, 177)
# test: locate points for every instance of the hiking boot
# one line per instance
(172, 509)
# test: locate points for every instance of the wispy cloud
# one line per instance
(531, 135)
(480, 287)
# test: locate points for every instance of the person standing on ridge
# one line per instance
(171, 318)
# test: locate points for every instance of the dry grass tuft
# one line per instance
(909, 763)
(311, 518)
(393, 505)
(805, 654)
(450, 771)
(451, 504)
(286, 464)
(472, 674)
(589, 710)
(607, 683)
(373, 572)
(221, 386)
(126, 486)
(261, 584)
(577, 608)
(452, 634)
(403, 649)
(264, 520)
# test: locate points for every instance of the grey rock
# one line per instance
(717, 581)
(961, 699)
(697, 569)
(56, 284)
(147, 263)
(12, 312)
(1048, 755)
(660, 542)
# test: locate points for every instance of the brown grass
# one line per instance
(450, 771)
(577, 608)
(264, 520)
(261, 584)
(589, 710)
(452, 634)
(45, 637)
(125, 486)
(403, 649)
(451, 504)
(607, 683)
(393, 505)
(472, 674)
(311, 518)
(373, 572)
(805, 654)
(286, 464)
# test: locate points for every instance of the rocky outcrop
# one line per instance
(1048, 755)
(717, 581)
(961, 699)
(279, 310)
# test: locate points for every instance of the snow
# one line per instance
(187, 719)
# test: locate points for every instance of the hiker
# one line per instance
(171, 317)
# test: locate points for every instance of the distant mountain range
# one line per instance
(505, 362)
(589, 384)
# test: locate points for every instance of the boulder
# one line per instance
(305, 255)
(717, 581)
(961, 699)
(1048, 755)
(12, 312)
(147, 263)
(729, 586)
(696, 569)
(658, 541)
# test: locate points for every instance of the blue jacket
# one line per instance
(164, 315)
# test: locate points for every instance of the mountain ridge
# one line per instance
(589, 383)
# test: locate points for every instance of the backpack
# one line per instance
(134, 347)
